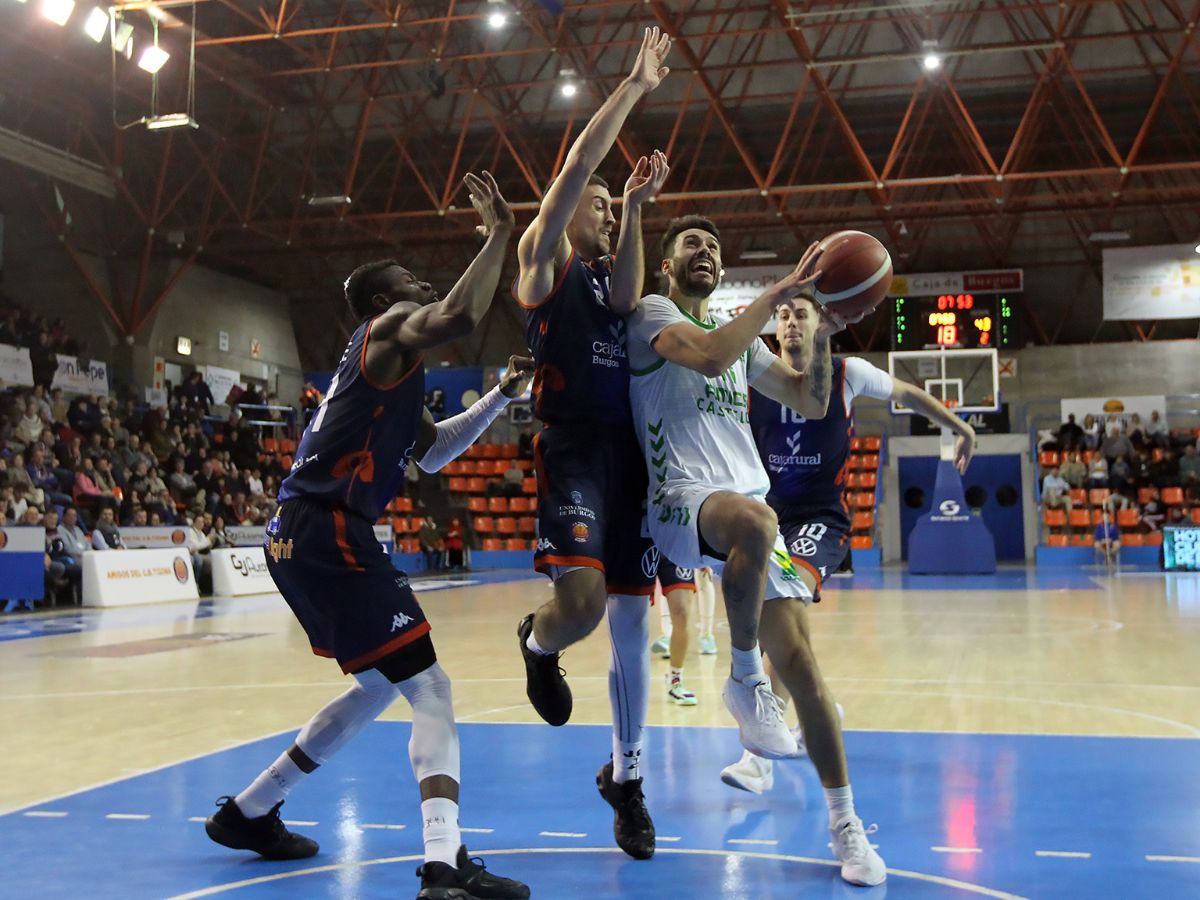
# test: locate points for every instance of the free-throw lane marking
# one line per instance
(383, 826)
(563, 834)
(300, 822)
(956, 849)
(1178, 859)
(1063, 854)
(476, 830)
(45, 814)
(130, 817)
(764, 843)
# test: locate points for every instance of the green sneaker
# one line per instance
(708, 645)
(680, 695)
(662, 647)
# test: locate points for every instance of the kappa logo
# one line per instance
(399, 620)
(949, 508)
(545, 544)
(650, 562)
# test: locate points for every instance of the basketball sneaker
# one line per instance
(545, 686)
(798, 733)
(759, 715)
(852, 846)
(470, 881)
(662, 647)
(632, 826)
(750, 774)
(680, 695)
(265, 835)
(708, 645)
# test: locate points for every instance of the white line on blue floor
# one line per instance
(45, 814)
(956, 849)
(1182, 859)
(565, 834)
(388, 827)
(132, 817)
(476, 830)
(299, 822)
(751, 841)
(663, 837)
(197, 819)
(1063, 854)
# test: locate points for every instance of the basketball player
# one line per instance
(807, 461)
(690, 384)
(590, 474)
(678, 585)
(323, 556)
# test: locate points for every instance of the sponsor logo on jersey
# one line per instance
(180, 568)
(574, 510)
(278, 549)
(684, 574)
(778, 461)
(786, 565)
(399, 620)
(804, 547)
(301, 461)
(650, 562)
(580, 532)
(576, 498)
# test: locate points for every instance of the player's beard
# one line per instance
(687, 285)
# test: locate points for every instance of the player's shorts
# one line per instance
(673, 578)
(592, 506)
(674, 520)
(340, 583)
(817, 539)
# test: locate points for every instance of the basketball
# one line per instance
(857, 272)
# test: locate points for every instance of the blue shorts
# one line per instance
(673, 577)
(592, 505)
(817, 539)
(333, 573)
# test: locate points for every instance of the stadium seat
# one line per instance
(529, 486)
(865, 500)
(520, 504)
(490, 451)
(861, 542)
(867, 480)
(509, 451)
(1099, 496)
(872, 443)
(454, 467)
(863, 521)
(1055, 518)
(458, 485)
(400, 525)
(1153, 539)
(498, 504)
(856, 445)
(1156, 454)
(1048, 459)
(1144, 495)
(474, 451)
(1172, 496)
(269, 444)
(1080, 518)
(476, 485)
(465, 467)
(1078, 496)
(1196, 515)
(527, 525)
(851, 480)
(1128, 518)
(1081, 540)
(506, 525)
(516, 544)
(493, 544)
(870, 462)
(525, 465)
(403, 504)
(477, 504)
(1133, 539)
(1098, 516)
(1056, 540)
(484, 525)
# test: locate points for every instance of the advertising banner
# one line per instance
(241, 571)
(1159, 282)
(76, 378)
(132, 577)
(15, 367)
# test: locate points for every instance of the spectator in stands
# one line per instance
(43, 476)
(87, 492)
(40, 399)
(454, 545)
(1189, 465)
(1164, 471)
(217, 535)
(73, 537)
(1073, 471)
(1116, 444)
(183, 486)
(1070, 435)
(1092, 432)
(254, 483)
(1140, 464)
(514, 478)
(196, 392)
(58, 406)
(162, 504)
(43, 360)
(1054, 491)
(1156, 430)
(1153, 511)
(431, 543)
(104, 477)
(29, 428)
(1119, 473)
(12, 507)
(138, 518)
(161, 442)
(106, 535)
(1108, 540)
(83, 416)
(1098, 471)
(18, 477)
(1136, 431)
(68, 568)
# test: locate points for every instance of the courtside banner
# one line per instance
(22, 563)
(76, 378)
(155, 536)
(132, 577)
(15, 367)
(241, 571)
(245, 535)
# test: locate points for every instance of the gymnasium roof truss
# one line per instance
(1046, 122)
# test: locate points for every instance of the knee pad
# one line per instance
(433, 747)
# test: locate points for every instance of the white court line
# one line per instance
(765, 843)
(132, 817)
(387, 827)
(956, 849)
(300, 822)
(663, 837)
(1179, 859)
(1063, 854)
(197, 819)
(566, 834)
(476, 830)
(45, 814)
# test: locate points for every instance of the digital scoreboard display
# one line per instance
(955, 321)
(1181, 549)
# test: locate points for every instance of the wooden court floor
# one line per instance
(89, 697)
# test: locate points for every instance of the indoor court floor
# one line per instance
(1018, 735)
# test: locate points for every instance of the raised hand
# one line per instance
(830, 322)
(964, 447)
(493, 209)
(648, 69)
(517, 377)
(647, 179)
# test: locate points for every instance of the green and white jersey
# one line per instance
(693, 429)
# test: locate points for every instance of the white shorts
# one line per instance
(674, 518)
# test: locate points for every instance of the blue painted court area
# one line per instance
(960, 815)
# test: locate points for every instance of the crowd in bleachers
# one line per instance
(1112, 479)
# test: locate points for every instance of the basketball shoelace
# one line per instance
(854, 838)
(768, 707)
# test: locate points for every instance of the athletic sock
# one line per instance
(676, 675)
(627, 760)
(746, 663)
(533, 645)
(441, 834)
(841, 804)
(270, 787)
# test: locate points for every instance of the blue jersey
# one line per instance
(806, 460)
(578, 346)
(357, 446)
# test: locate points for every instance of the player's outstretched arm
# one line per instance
(629, 270)
(461, 310)
(712, 352)
(543, 250)
(441, 442)
(927, 405)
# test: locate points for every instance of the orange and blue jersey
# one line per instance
(356, 448)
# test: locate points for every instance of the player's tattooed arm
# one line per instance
(629, 270)
(927, 405)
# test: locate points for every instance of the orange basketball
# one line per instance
(856, 274)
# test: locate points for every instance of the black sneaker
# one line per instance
(545, 686)
(632, 826)
(266, 835)
(470, 881)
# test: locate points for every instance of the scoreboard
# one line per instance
(956, 321)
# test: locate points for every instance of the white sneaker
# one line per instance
(750, 774)
(708, 645)
(798, 732)
(851, 845)
(662, 647)
(759, 715)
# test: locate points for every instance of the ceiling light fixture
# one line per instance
(96, 26)
(153, 58)
(58, 11)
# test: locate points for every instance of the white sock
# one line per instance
(841, 804)
(676, 674)
(442, 837)
(746, 663)
(532, 644)
(628, 681)
(270, 787)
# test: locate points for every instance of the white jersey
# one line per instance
(693, 429)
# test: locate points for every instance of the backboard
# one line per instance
(965, 381)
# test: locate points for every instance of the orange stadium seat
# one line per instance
(851, 481)
(1156, 454)
(856, 444)
(1133, 539)
(865, 500)
(1128, 518)
(1098, 496)
(490, 451)
(1056, 540)
(498, 504)
(870, 461)
(527, 525)
(1078, 496)
(1153, 539)
(400, 525)
(1196, 515)
(506, 525)
(493, 544)
(1098, 516)
(454, 467)
(861, 542)
(508, 451)
(872, 443)
(1081, 540)
(1144, 495)
(403, 504)
(520, 504)
(1055, 518)
(516, 544)
(458, 485)
(863, 521)
(867, 480)
(484, 525)
(467, 467)
(1080, 518)
(1048, 458)
(477, 504)
(269, 444)
(529, 486)
(525, 465)
(1172, 496)
(474, 451)
(476, 485)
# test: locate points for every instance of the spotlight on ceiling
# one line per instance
(497, 20)
(932, 62)
(171, 120)
(330, 200)
(122, 36)
(568, 87)
(96, 26)
(153, 58)
(58, 11)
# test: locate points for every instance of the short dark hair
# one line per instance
(681, 224)
(593, 179)
(364, 283)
